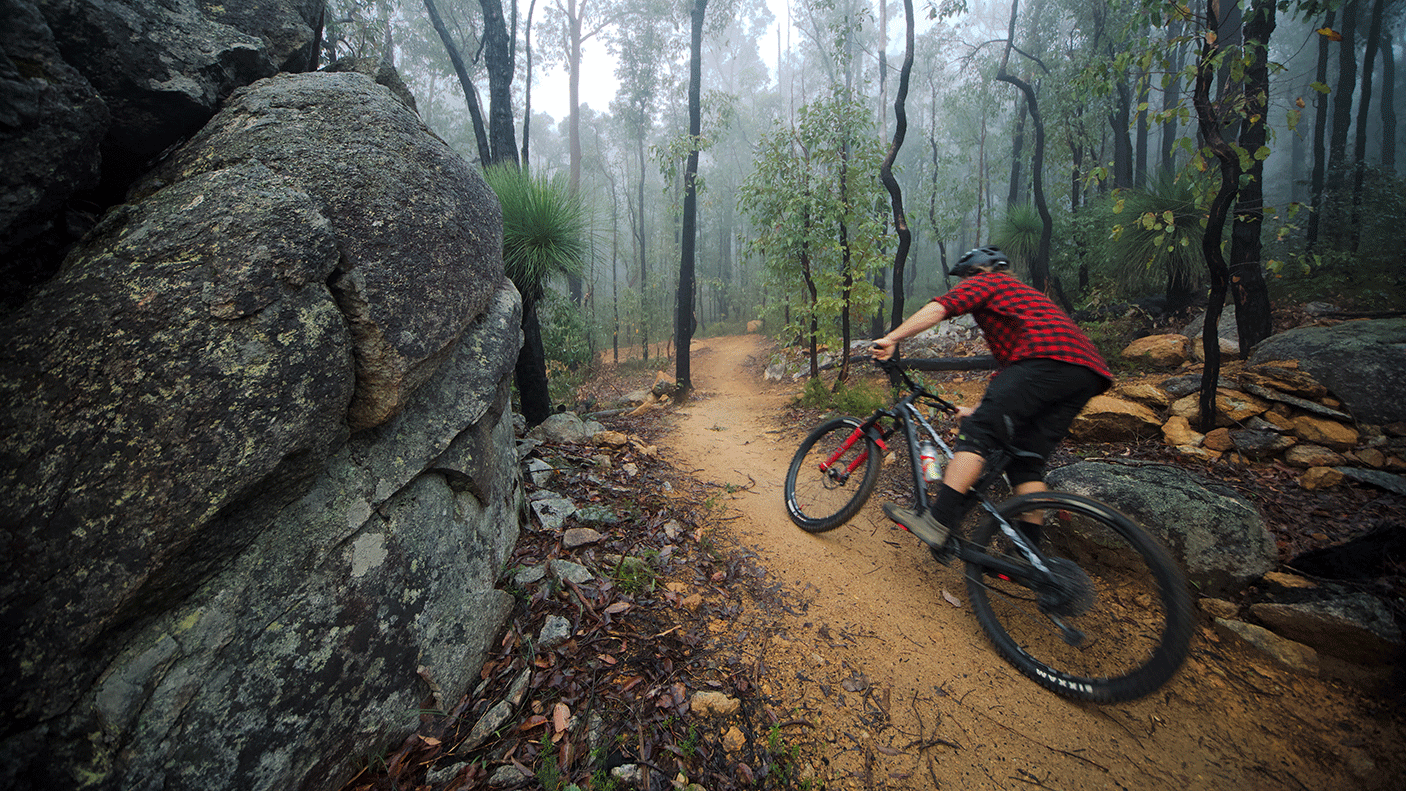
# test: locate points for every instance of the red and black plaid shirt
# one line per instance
(1020, 323)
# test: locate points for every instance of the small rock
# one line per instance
(673, 529)
(1151, 395)
(733, 740)
(570, 572)
(1177, 431)
(602, 460)
(1167, 351)
(1260, 444)
(1320, 478)
(708, 703)
(1309, 455)
(1198, 452)
(1218, 608)
(1328, 433)
(597, 515)
(554, 632)
(579, 537)
(552, 510)
(629, 774)
(1384, 480)
(630, 469)
(540, 472)
(507, 776)
(1219, 439)
(1292, 581)
(1288, 653)
(614, 439)
(528, 574)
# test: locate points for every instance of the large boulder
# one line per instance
(51, 122)
(404, 239)
(164, 66)
(93, 91)
(260, 477)
(1363, 363)
(1219, 536)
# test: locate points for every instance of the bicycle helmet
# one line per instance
(982, 259)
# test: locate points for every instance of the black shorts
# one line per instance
(1029, 406)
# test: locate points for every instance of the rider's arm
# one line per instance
(925, 317)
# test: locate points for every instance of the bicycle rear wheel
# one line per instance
(1116, 622)
(831, 475)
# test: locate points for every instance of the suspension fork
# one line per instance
(867, 428)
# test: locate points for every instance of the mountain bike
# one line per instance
(1071, 592)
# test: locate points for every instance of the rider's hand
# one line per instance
(883, 349)
(965, 411)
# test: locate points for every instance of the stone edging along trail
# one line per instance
(883, 658)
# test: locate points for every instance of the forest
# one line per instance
(818, 164)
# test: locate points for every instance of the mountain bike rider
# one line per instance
(1049, 371)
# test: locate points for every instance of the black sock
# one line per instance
(950, 505)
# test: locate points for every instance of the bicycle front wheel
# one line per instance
(1114, 621)
(831, 475)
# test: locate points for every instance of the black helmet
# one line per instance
(988, 258)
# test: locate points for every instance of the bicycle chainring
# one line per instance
(1070, 592)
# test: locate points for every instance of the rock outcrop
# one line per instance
(259, 467)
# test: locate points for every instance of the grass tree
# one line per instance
(545, 234)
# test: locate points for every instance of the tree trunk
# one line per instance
(1320, 133)
(1251, 295)
(1170, 100)
(1122, 143)
(1335, 199)
(644, 265)
(900, 131)
(498, 60)
(1389, 131)
(485, 154)
(1040, 264)
(527, 83)
(1013, 196)
(683, 319)
(1359, 171)
(1211, 126)
(530, 372)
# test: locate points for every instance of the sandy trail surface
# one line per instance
(888, 682)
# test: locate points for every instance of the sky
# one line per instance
(549, 95)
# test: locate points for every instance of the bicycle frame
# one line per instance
(906, 414)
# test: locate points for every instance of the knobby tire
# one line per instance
(1120, 587)
(815, 501)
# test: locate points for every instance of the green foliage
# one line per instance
(858, 398)
(1156, 234)
(1018, 234)
(545, 229)
(634, 576)
(809, 181)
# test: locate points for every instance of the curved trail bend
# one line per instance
(906, 692)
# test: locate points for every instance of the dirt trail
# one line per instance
(905, 691)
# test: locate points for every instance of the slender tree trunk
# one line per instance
(1013, 196)
(1251, 295)
(644, 261)
(1359, 171)
(683, 319)
(1336, 198)
(485, 154)
(1212, 132)
(1122, 143)
(1040, 265)
(1389, 131)
(1170, 99)
(498, 59)
(574, 12)
(1320, 132)
(527, 82)
(900, 131)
